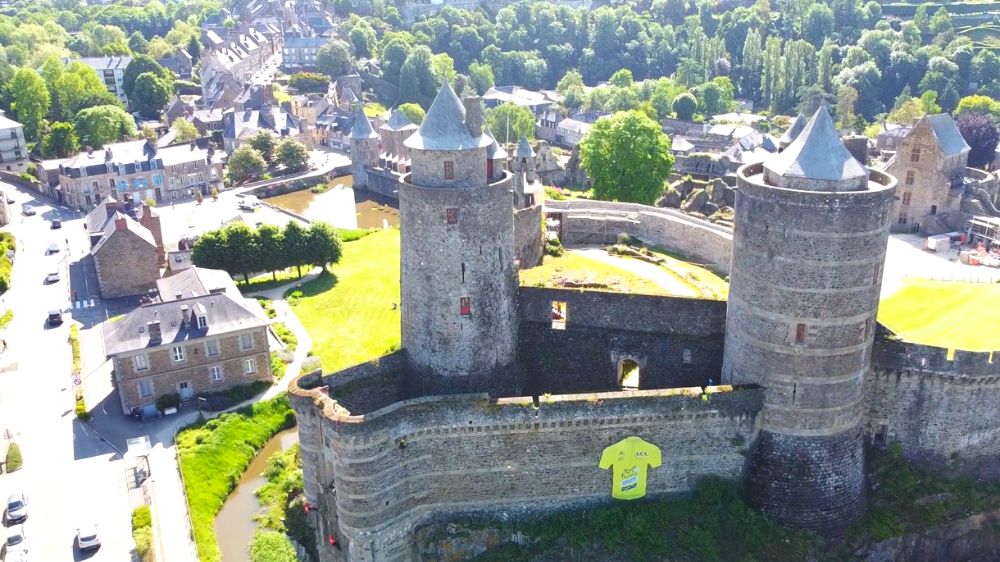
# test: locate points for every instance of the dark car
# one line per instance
(56, 223)
(55, 317)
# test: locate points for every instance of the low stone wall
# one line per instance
(383, 182)
(600, 222)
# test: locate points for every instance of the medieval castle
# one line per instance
(508, 400)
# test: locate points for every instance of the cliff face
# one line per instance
(973, 539)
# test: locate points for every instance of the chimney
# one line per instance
(185, 315)
(90, 150)
(120, 223)
(154, 331)
(473, 115)
(178, 295)
(857, 145)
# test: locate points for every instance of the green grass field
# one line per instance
(944, 314)
(575, 270)
(349, 313)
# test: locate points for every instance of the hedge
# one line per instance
(14, 459)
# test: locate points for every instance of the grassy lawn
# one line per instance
(708, 283)
(571, 270)
(267, 281)
(349, 313)
(213, 456)
(945, 314)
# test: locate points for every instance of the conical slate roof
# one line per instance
(444, 126)
(362, 128)
(817, 160)
(794, 131)
(494, 151)
(398, 121)
(524, 149)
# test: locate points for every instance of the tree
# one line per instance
(846, 97)
(509, 121)
(418, 76)
(211, 251)
(270, 245)
(982, 104)
(324, 246)
(334, 58)
(241, 242)
(622, 78)
(60, 141)
(295, 245)
(413, 112)
(628, 158)
(142, 64)
(31, 101)
(74, 87)
(481, 77)
(980, 132)
(244, 162)
(291, 154)
(928, 101)
(818, 25)
(184, 130)
(907, 112)
(309, 82)
(97, 126)
(684, 106)
(265, 143)
(150, 94)
(138, 44)
(194, 47)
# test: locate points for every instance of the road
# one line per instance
(69, 473)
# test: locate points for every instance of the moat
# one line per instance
(371, 210)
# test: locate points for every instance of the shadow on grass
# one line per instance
(321, 284)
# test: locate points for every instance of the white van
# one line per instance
(249, 203)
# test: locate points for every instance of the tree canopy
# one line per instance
(150, 95)
(246, 161)
(628, 157)
(979, 130)
(291, 154)
(31, 101)
(242, 250)
(509, 122)
(103, 124)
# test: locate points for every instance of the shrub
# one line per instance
(141, 517)
(14, 459)
(271, 546)
(187, 88)
(278, 367)
(554, 193)
(215, 194)
(553, 247)
(6, 319)
(216, 401)
(143, 540)
(168, 401)
(268, 307)
(286, 335)
(150, 202)
(624, 239)
(27, 177)
(32, 170)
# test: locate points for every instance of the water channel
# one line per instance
(371, 210)
(235, 526)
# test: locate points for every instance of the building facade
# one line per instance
(298, 54)
(111, 71)
(13, 150)
(126, 258)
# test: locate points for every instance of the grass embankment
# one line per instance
(283, 514)
(349, 312)
(713, 525)
(214, 454)
(576, 271)
(946, 314)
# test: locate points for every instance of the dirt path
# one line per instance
(674, 285)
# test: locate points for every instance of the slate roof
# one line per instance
(398, 121)
(494, 151)
(132, 226)
(304, 42)
(362, 128)
(948, 135)
(7, 122)
(444, 127)
(196, 281)
(524, 149)
(225, 314)
(794, 130)
(132, 156)
(817, 154)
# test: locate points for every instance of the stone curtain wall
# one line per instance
(603, 329)
(383, 182)
(600, 222)
(528, 236)
(943, 412)
(438, 456)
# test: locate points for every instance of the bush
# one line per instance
(271, 546)
(168, 401)
(278, 367)
(554, 193)
(14, 459)
(286, 335)
(143, 540)
(268, 307)
(6, 319)
(217, 401)
(141, 517)
(27, 177)
(553, 247)
(150, 202)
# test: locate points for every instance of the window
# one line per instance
(558, 315)
(177, 353)
(451, 214)
(915, 155)
(157, 179)
(212, 348)
(202, 322)
(140, 362)
(145, 389)
(910, 177)
(903, 218)
(246, 341)
(249, 366)
(906, 197)
(686, 356)
(933, 209)
(465, 306)
(215, 373)
(800, 333)
(449, 170)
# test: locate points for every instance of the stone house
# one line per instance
(201, 336)
(930, 166)
(180, 63)
(126, 258)
(299, 53)
(13, 150)
(98, 218)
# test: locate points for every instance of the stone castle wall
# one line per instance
(383, 182)
(600, 222)
(942, 411)
(408, 462)
(676, 341)
(528, 236)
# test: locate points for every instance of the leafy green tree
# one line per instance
(194, 47)
(295, 242)
(211, 251)
(509, 121)
(394, 54)
(60, 141)
(291, 154)
(907, 112)
(940, 22)
(334, 59)
(309, 82)
(571, 79)
(418, 76)
(628, 158)
(76, 87)
(244, 162)
(846, 98)
(142, 64)
(818, 24)
(443, 68)
(323, 243)
(241, 242)
(980, 132)
(272, 546)
(928, 101)
(622, 78)
(270, 245)
(31, 101)
(265, 143)
(982, 104)
(102, 124)
(362, 38)
(149, 95)
(184, 130)
(138, 44)
(413, 112)
(684, 106)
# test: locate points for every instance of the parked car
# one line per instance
(249, 203)
(28, 210)
(16, 541)
(56, 223)
(52, 249)
(10, 200)
(55, 317)
(17, 507)
(86, 537)
(52, 276)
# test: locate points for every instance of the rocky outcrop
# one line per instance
(695, 201)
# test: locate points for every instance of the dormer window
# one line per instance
(202, 321)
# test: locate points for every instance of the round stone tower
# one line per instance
(364, 147)
(810, 238)
(458, 278)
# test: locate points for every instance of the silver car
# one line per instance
(16, 541)
(86, 537)
(17, 508)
